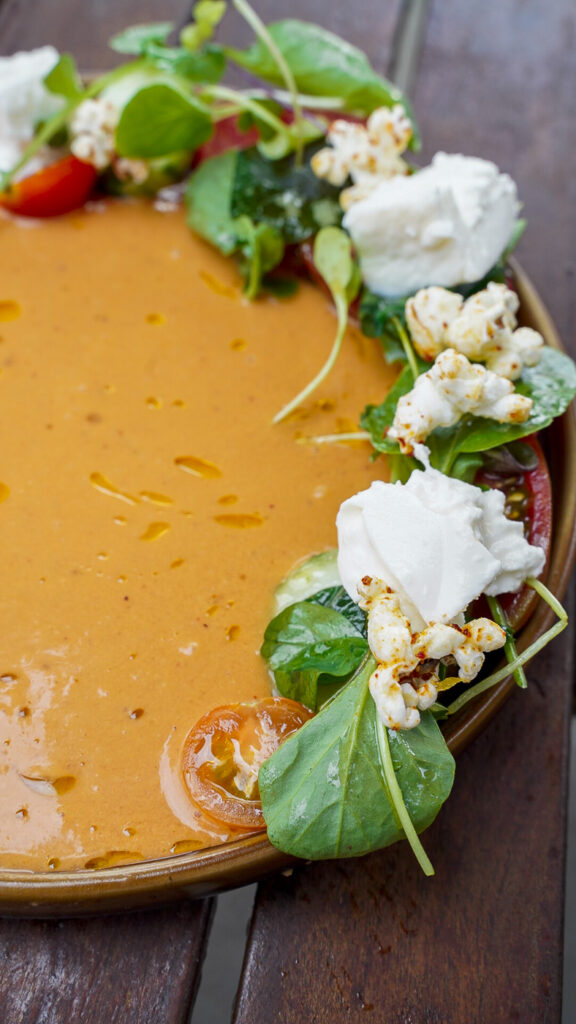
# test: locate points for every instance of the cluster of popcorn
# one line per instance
(483, 328)
(367, 154)
(399, 690)
(452, 388)
(93, 128)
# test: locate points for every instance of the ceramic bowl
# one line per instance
(192, 875)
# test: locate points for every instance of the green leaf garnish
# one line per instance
(289, 198)
(307, 641)
(64, 79)
(261, 248)
(378, 319)
(207, 16)
(323, 65)
(268, 43)
(135, 39)
(499, 615)
(522, 659)
(206, 66)
(208, 197)
(334, 260)
(161, 119)
(324, 793)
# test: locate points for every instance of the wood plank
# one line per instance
(139, 968)
(501, 85)
(373, 939)
(86, 36)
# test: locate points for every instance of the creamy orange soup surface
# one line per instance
(149, 509)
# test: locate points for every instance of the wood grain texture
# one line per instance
(129, 969)
(84, 27)
(374, 940)
(502, 86)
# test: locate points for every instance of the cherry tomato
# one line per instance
(227, 135)
(528, 495)
(224, 751)
(59, 188)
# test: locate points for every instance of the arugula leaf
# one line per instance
(64, 79)
(309, 640)
(135, 40)
(288, 197)
(208, 197)
(161, 119)
(323, 791)
(322, 64)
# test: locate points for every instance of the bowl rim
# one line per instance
(200, 873)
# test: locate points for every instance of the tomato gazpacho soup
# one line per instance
(149, 509)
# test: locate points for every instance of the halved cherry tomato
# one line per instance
(528, 495)
(59, 188)
(224, 751)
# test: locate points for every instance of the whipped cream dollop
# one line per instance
(24, 101)
(437, 542)
(447, 224)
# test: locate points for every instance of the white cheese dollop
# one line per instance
(24, 100)
(437, 542)
(445, 225)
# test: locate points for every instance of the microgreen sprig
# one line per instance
(499, 616)
(333, 258)
(527, 655)
(261, 31)
(397, 800)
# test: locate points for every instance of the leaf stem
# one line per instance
(530, 652)
(397, 799)
(499, 616)
(244, 102)
(309, 102)
(407, 346)
(342, 311)
(262, 33)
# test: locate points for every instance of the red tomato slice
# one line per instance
(59, 188)
(528, 499)
(224, 751)
(227, 135)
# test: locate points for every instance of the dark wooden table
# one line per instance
(373, 939)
